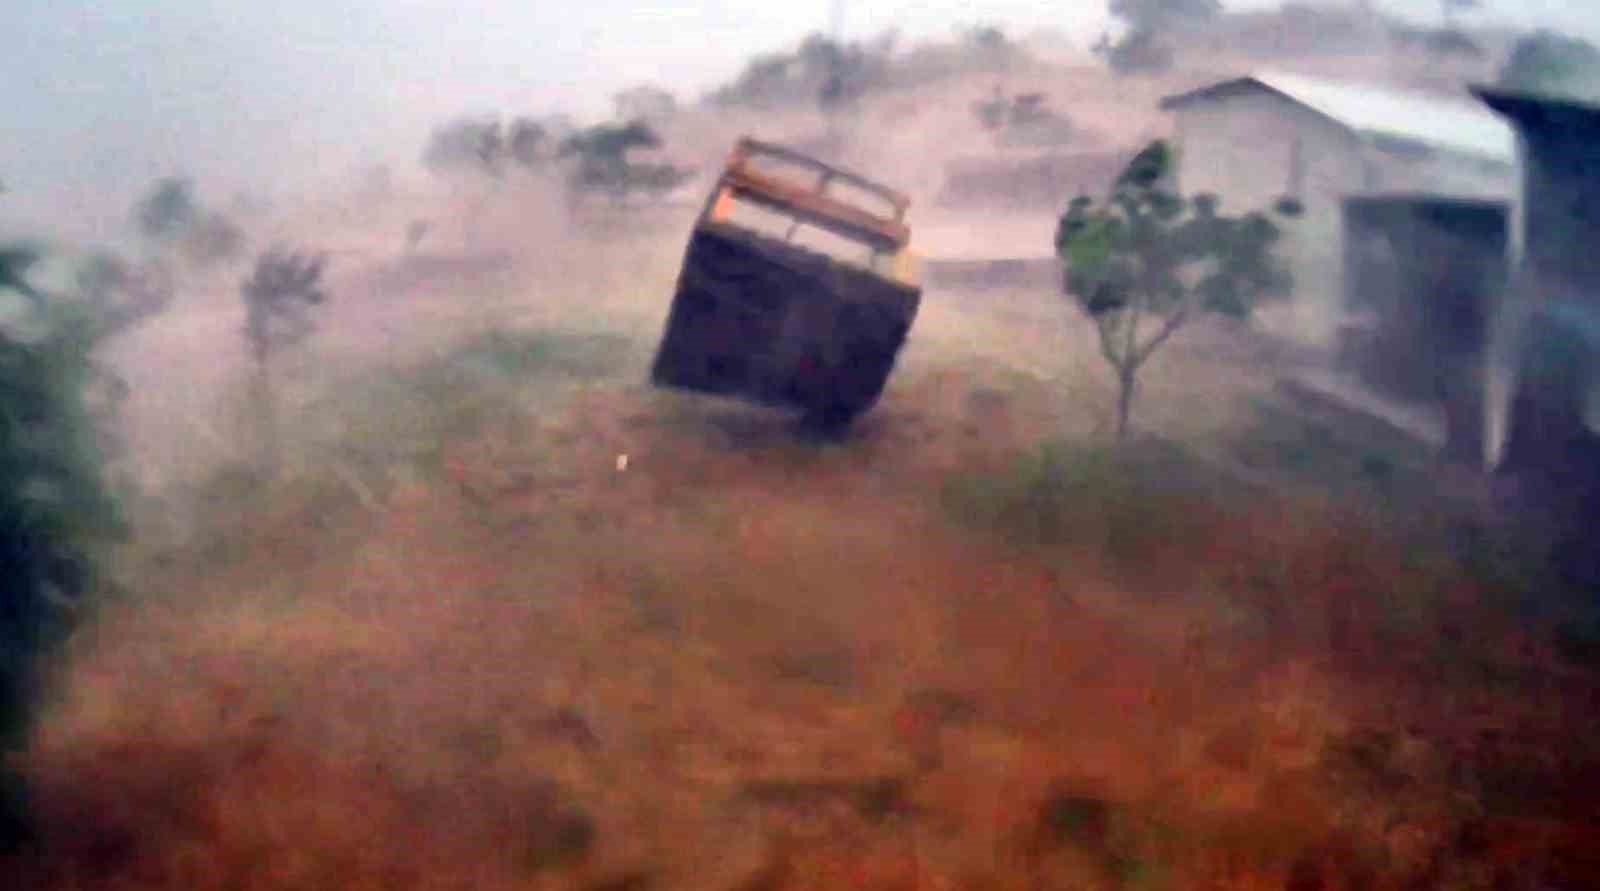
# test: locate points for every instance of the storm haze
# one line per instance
(626, 446)
(103, 97)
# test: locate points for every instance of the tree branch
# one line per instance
(1168, 328)
(1102, 325)
(1130, 351)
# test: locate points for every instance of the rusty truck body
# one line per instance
(762, 314)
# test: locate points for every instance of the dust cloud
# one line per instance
(428, 586)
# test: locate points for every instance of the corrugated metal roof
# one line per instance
(1368, 109)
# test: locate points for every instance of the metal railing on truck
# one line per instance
(888, 236)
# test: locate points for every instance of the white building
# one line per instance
(1253, 140)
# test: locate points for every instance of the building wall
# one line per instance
(1558, 361)
(1427, 271)
(1253, 146)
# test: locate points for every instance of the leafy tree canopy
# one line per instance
(277, 295)
(1142, 47)
(487, 147)
(467, 144)
(610, 141)
(821, 69)
(167, 209)
(1146, 260)
(604, 166)
(526, 141)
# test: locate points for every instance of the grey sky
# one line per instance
(101, 96)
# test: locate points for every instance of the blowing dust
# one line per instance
(499, 613)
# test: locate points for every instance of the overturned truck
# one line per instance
(791, 293)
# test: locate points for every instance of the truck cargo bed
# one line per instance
(769, 321)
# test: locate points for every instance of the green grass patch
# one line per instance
(343, 453)
(532, 355)
(1356, 458)
(399, 420)
(1331, 554)
(1126, 503)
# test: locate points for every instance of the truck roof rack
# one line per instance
(810, 202)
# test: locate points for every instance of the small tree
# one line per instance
(604, 166)
(840, 72)
(15, 261)
(1147, 261)
(766, 80)
(56, 512)
(526, 143)
(602, 152)
(120, 295)
(168, 209)
(1148, 22)
(832, 73)
(478, 146)
(993, 111)
(172, 214)
(987, 39)
(278, 298)
(1140, 50)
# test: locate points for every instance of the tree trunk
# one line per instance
(268, 454)
(1125, 388)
